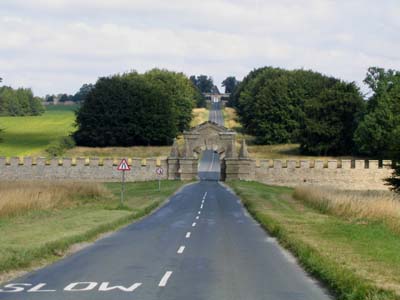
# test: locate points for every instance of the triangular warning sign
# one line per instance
(123, 166)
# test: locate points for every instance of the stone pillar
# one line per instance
(243, 153)
(228, 140)
(173, 168)
(174, 150)
(190, 141)
(188, 168)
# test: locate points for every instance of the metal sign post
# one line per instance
(123, 166)
(123, 187)
(159, 172)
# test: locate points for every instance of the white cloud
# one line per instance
(57, 45)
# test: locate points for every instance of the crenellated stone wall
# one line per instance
(343, 174)
(93, 169)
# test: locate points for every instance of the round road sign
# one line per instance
(159, 171)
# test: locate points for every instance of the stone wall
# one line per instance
(93, 169)
(344, 174)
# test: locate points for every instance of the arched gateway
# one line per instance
(210, 136)
(206, 136)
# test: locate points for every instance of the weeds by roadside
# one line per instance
(359, 206)
(17, 198)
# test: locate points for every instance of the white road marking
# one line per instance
(194, 224)
(105, 287)
(38, 288)
(188, 234)
(197, 217)
(212, 164)
(205, 194)
(181, 249)
(165, 278)
(201, 207)
(199, 212)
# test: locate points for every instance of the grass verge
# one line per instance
(354, 206)
(43, 235)
(356, 261)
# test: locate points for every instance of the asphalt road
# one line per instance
(216, 114)
(201, 245)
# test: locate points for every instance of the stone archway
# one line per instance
(210, 136)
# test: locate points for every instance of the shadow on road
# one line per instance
(209, 166)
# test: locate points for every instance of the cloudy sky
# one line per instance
(55, 46)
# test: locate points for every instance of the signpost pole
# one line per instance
(123, 166)
(122, 187)
(159, 172)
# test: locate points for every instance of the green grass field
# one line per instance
(355, 258)
(25, 136)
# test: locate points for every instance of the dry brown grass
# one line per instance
(381, 206)
(200, 115)
(17, 198)
(116, 152)
(231, 118)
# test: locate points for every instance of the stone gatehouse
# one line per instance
(210, 136)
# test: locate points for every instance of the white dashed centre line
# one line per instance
(199, 212)
(205, 194)
(165, 278)
(188, 234)
(194, 224)
(181, 249)
(197, 217)
(201, 207)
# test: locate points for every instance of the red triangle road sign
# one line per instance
(123, 166)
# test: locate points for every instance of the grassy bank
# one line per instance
(200, 115)
(231, 119)
(354, 258)
(42, 232)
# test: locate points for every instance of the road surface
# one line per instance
(216, 114)
(201, 245)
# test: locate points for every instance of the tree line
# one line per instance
(326, 115)
(19, 102)
(78, 97)
(136, 109)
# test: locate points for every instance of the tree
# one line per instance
(331, 119)
(270, 102)
(180, 90)
(135, 109)
(230, 84)
(83, 92)
(394, 180)
(19, 102)
(203, 83)
(375, 135)
(199, 97)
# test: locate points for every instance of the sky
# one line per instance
(55, 46)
